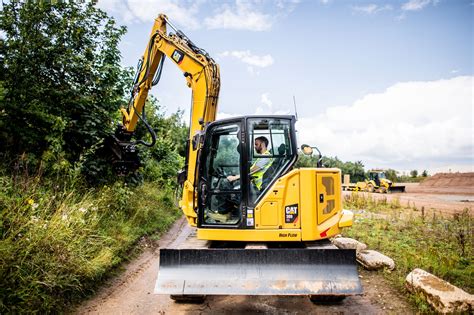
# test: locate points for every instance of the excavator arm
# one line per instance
(200, 70)
(202, 76)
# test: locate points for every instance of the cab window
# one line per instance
(269, 153)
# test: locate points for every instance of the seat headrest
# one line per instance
(282, 149)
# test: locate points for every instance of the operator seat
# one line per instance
(275, 167)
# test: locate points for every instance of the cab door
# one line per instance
(220, 200)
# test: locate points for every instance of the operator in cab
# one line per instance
(259, 166)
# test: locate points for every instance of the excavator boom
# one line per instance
(202, 76)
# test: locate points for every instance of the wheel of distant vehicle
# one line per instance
(370, 188)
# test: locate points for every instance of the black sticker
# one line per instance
(177, 56)
(291, 213)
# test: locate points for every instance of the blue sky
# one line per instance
(386, 82)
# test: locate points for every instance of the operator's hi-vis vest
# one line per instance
(258, 176)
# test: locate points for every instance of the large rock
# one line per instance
(349, 243)
(441, 295)
(372, 260)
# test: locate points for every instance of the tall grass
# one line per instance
(442, 245)
(58, 240)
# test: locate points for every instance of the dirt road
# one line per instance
(132, 293)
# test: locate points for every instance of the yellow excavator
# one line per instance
(376, 181)
(240, 188)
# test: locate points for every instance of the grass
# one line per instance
(59, 241)
(438, 244)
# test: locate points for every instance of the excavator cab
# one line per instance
(231, 150)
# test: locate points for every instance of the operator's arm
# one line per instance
(257, 166)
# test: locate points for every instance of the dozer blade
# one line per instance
(258, 272)
(397, 189)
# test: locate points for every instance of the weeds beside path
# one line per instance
(440, 245)
(59, 241)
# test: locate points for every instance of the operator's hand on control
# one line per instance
(233, 178)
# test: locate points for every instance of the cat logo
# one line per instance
(177, 56)
(291, 213)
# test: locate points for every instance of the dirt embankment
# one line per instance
(444, 193)
(445, 183)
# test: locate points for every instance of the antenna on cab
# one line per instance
(294, 103)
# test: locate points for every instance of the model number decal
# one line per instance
(288, 235)
(291, 213)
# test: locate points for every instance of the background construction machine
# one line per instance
(265, 225)
(377, 181)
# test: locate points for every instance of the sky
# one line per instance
(388, 83)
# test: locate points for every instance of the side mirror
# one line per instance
(307, 150)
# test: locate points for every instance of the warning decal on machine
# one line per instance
(291, 213)
(177, 56)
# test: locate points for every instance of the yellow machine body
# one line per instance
(317, 194)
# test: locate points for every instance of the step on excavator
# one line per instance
(263, 226)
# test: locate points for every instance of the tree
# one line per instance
(391, 174)
(62, 78)
(414, 173)
(162, 162)
(354, 169)
(425, 173)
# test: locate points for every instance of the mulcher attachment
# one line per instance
(123, 152)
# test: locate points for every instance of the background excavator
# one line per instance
(265, 233)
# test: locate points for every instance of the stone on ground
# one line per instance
(349, 243)
(373, 260)
(441, 295)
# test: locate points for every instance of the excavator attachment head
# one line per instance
(123, 152)
(287, 271)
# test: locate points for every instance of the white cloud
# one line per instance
(288, 5)
(242, 16)
(372, 8)
(409, 125)
(265, 107)
(248, 58)
(133, 11)
(400, 17)
(222, 115)
(415, 5)
(252, 71)
(266, 100)
(324, 1)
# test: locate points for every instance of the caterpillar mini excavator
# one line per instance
(239, 189)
